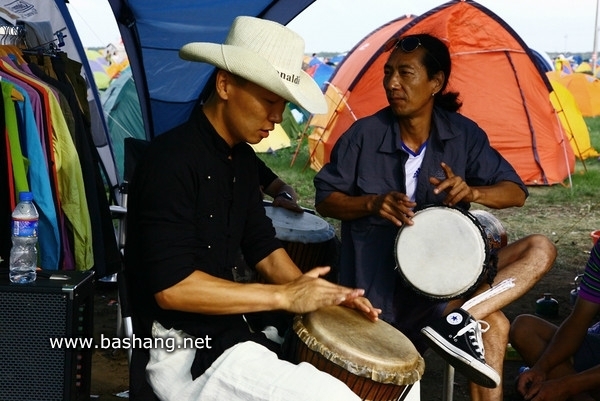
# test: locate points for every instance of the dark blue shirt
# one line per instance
(368, 159)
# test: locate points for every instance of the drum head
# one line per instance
(305, 228)
(443, 254)
(374, 350)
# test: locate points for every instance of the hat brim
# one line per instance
(255, 68)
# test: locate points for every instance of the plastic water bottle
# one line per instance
(23, 254)
(546, 306)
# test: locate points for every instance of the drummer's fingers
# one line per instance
(458, 193)
(364, 305)
(328, 295)
(447, 170)
(434, 181)
(395, 205)
(293, 206)
(306, 294)
(287, 204)
(451, 186)
(398, 218)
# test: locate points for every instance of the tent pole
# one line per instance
(300, 140)
(595, 52)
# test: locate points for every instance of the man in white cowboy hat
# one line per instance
(194, 201)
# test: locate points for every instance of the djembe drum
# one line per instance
(376, 361)
(305, 236)
(448, 252)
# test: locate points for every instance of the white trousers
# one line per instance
(246, 371)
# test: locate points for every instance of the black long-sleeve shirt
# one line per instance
(194, 202)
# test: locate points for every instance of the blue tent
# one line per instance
(320, 72)
(153, 31)
(123, 115)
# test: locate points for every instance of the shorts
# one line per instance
(588, 354)
(414, 311)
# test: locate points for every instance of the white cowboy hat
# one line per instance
(266, 53)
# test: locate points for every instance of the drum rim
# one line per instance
(407, 377)
(306, 236)
(474, 283)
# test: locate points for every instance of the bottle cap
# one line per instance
(25, 196)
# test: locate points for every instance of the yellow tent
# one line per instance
(584, 88)
(277, 139)
(571, 120)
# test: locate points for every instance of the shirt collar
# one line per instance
(440, 129)
(218, 142)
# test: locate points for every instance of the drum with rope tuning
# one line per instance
(448, 252)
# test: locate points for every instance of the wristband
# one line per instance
(286, 195)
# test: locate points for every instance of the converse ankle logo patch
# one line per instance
(454, 318)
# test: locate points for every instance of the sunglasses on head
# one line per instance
(407, 45)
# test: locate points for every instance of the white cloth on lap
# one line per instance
(246, 371)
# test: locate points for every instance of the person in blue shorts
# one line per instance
(565, 360)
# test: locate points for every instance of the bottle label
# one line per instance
(25, 228)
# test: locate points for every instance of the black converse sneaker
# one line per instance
(457, 338)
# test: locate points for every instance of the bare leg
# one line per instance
(530, 336)
(525, 260)
(494, 341)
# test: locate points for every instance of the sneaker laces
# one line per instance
(475, 329)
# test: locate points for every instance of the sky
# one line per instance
(553, 26)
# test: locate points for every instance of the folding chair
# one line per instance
(126, 322)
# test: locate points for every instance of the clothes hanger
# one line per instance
(11, 38)
(50, 48)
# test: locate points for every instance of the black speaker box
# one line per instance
(33, 315)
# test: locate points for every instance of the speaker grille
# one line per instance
(30, 369)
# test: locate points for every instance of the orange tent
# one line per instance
(352, 93)
(585, 88)
(501, 88)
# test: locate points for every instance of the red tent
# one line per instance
(495, 73)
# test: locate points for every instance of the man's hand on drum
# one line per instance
(286, 203)
(310, 292)
(363, 305)
(394, 206)
(455, 187)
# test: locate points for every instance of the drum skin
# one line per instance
(444, 254)
(374, 359)
(307, 238)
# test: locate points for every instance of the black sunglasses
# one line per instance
(407, 45)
